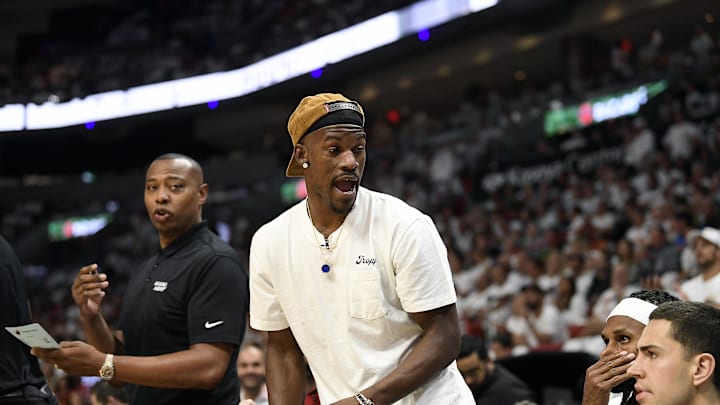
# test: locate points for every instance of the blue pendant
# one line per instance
(325, 268)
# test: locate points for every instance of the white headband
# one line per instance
(634, 308)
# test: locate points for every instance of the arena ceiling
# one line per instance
(483, 50)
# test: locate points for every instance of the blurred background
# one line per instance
(568, 144)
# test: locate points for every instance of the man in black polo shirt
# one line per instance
(183, 315)
(21, 380)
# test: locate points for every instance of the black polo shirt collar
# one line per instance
(183, 240)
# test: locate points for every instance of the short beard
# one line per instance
(341, 211)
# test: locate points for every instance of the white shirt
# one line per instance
(352, 323)
(701, 290)
(615, 398)
(679, 139)
(262, 398)
(639, 148)
(549, 322)
(576, 313)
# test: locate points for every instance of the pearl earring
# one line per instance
(305, 165)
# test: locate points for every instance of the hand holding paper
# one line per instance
(73, 357)
(33, 335)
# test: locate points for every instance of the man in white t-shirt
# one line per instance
(356, 281)
(534, 322)
(705, 287)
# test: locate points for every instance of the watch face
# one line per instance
(107, 372)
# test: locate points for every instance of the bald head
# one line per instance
(196, 169)
(174, 195)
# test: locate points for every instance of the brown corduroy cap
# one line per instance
(308, 112)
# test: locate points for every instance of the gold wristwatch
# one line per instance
(107, 370)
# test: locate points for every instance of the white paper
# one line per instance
(33, 335)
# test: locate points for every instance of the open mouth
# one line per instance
(347, 185)
(161, 214)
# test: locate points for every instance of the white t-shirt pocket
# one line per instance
(366, 300)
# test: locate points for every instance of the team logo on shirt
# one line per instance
(366, 260)
(160, 286)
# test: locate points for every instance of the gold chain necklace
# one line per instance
(328, 250)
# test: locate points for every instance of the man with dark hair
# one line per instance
(607, 381)
(490, 383)
(183, 315)
(381, 324)
(21, 380)
(102, 393)
(501, 345)
(534, 322)
(677, 356)
(656, 297)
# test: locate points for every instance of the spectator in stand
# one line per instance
(607, 381)
(677, 356)
(503, 285)
(681, 139)
(480, 261)
(705, 287)
(639, 144)
(663, 260)
(534, 322)
(550, 278)
(501, 345)
(573, 308)
(701, 46)
(707, 211)
(649, 52)
(637, 232)
(603, 220)
(598, 262)
(490, 382)
(576, 268)
(251, 375)
(624, 253)
(473, 307)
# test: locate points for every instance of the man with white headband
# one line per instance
(607, 381)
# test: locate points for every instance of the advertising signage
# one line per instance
(77, 227)
(600, 109)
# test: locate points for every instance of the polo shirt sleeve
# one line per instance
(422, 271)
(218, 303)
(265, 310)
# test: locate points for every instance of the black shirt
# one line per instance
(193, 291)
(502, 388)
(17, 366)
